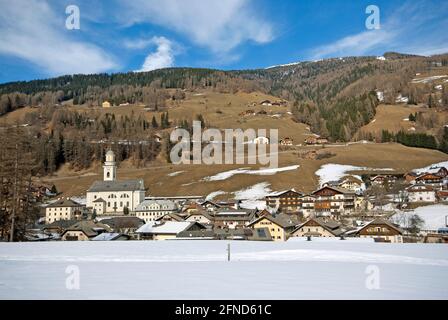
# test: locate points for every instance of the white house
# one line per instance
(112, 196)
(260, 140)
(421, 193)
(63, 209)
(151, 210)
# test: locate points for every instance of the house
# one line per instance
(63, 209)
(307, 205)
(380, 230)
(421, 193)
(260, 140)
(333, 200)
(409, 177)
(442, 196)
(381, 179)
(166, 230)
(209, 206)
(124, 225)
(436, 238)
(318, 227)
(84, 231)
(191, 207)
(201, 217)
(285, 201)
(316, 140)
(438, 171)
(171, 217)
(286, 141)
(351, 183)
(106, 104)
(58, 227)
(151, 210)
(233, 219)
(266, 103)
(279, 227)
(430, 179)
(112, 197)
(363, 203)
(111, 237)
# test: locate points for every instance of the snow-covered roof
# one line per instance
(169, 227)
(106, 236)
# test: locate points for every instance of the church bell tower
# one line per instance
(110, 167)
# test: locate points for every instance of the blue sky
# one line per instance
(142, 35)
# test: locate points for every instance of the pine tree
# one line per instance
(154, 123)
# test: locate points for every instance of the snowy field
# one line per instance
(297, 269)
(434, 217)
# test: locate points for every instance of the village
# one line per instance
(352, 207)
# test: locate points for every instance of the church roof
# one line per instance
(124, 185)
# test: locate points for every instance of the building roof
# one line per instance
(376, 221)
(168, 204)
(123, 222)
(63, 224)
(172, 216)
(337, 189)
(280, 193)
(420, 188)
(124, 185)
(169, 227)
(65, 202)
(331, 226)
(99, 200)
(283, 221)
(106, 236)
(89, 228)
(200, 213)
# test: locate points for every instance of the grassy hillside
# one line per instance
(189, 181)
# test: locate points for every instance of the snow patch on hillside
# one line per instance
(214, 194)
(174, 174)
(253, 197)
(431, 166)
(262, 172)
(334, 172)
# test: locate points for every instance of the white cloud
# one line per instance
(411, 28)
(30, 30)
(163, 57)
(215, 24)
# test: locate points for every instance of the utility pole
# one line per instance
(228, 252)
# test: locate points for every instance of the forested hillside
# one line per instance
(335, 97)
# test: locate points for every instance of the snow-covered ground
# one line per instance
(297, 269)
(428, 79)
(434, 165)
(262, 172)
(434, 216)
(174, 174)
(214, 194)
(253, 197)
(333, 172)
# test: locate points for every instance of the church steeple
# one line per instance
(110, 167)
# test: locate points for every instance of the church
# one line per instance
(112, 197)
